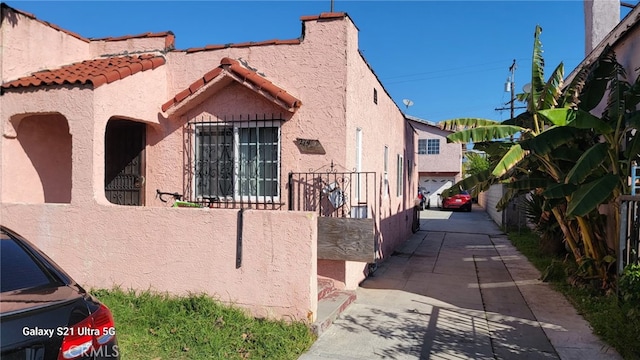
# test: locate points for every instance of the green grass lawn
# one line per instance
(607, 317)
(158, 326)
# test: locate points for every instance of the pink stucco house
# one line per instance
(287, 146)
(439, 162)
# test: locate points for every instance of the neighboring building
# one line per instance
(439, 162)
(93, 128)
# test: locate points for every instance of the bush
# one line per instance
(629, 290)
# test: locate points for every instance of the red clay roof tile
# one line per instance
(211, 74)
(96, 72)
(233, 68)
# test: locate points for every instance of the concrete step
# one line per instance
(330, 307)
(325, 287)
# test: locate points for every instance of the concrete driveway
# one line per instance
(458, 289)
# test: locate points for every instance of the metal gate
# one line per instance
(346, 204)
(332, 193)
(124, 162)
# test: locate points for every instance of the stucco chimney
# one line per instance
(600, 17)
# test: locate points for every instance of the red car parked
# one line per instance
(461, 201)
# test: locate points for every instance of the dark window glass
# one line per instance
(18, 269)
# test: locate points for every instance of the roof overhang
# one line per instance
(229, 71)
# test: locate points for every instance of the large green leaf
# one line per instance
(565, 153)
(576, 118)
(587, 163)
(524, 120)
(465, 123)
(549, 140)
(571, 94)
(473, 183)
(485, 133)
(597, 81)
(537, 68)
(616, 101)
(558, 190)
(589, 196)
(552, 89)
(528, 183)
(509, 160)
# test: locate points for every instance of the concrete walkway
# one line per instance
(458, 289)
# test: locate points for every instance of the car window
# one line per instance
(18, 270)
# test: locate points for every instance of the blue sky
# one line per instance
(451, 58)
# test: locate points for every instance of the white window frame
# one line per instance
(236, 126)
(358, 163)
(386, 172)
(400, 175)
(433, 146)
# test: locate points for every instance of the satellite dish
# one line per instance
(527, 88)
(407, 102)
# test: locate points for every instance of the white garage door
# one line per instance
(436, 185)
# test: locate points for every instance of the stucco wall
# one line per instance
(489, 199)
(313, 71)
(372, 111)
(182, 251)
(23, 37)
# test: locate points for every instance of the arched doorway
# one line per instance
(124, 162)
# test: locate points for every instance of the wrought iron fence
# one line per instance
(332, 193)
(234, 162)
(629, 252)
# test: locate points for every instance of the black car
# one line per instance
(44, 314)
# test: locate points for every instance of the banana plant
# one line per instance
(577, 160)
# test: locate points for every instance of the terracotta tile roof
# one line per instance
(233, 68)
(53, 26)
(97, 72)
(169, 41)
(244, 44)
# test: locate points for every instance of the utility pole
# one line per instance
(510, 86)
(513, 85)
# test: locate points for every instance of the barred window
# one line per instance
(237, 161)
